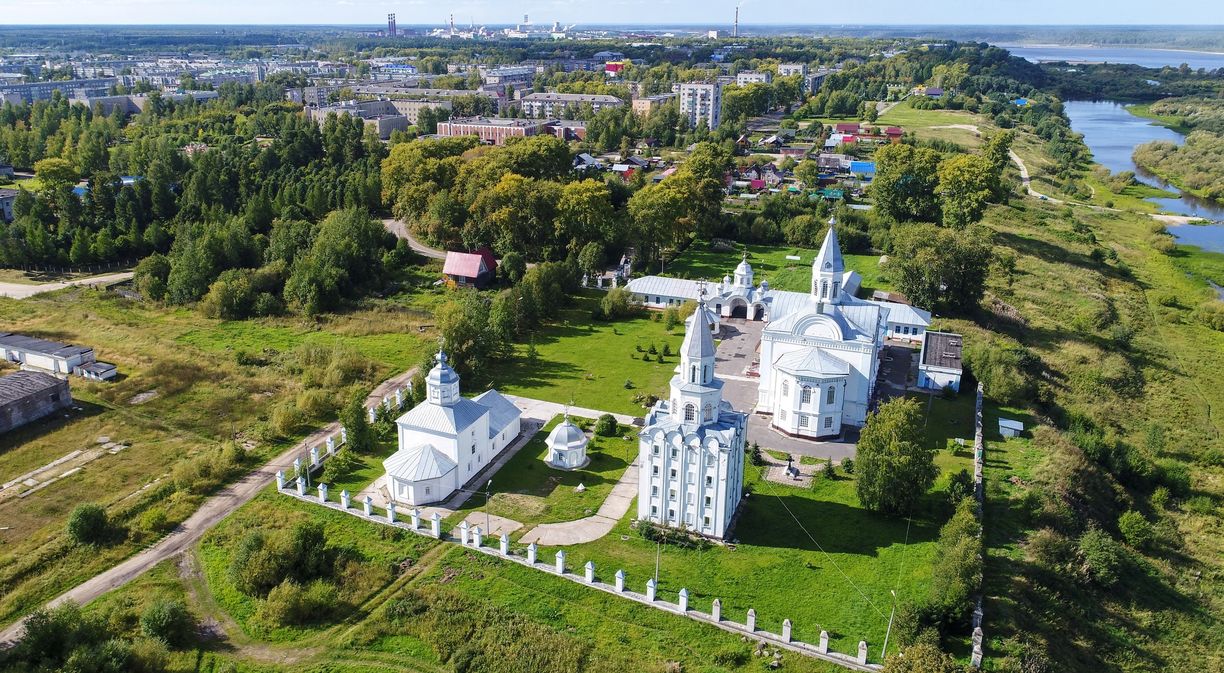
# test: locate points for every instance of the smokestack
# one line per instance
(390, 25)
(735, 32)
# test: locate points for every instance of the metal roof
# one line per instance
(567, 436)
(942, 349)
(418, 463)
(904, 313)
(448, 420)
(502, 412)
(813, 362)
(19, 385)
(35, 345)
(464, 264)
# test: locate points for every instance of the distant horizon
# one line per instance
(1053, 13)
(658, 24)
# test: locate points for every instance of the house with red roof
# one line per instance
(893, 134)
(846, 128)
(470, 269)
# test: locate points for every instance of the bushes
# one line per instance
(64, 639)
(1005, 368)
(606, 426)
(671, 536)
(1136, 530)
(207, 471)
(88, 524)
(291, 604)
(261, 563)
(618, 303)
(168, 621)
(1101, 558)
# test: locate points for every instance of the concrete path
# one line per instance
(595, 526)
(211, 512)
(543, 410)
(25, 290)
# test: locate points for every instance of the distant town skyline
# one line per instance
(627, 12)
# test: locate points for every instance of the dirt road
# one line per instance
(24, 290)
(208, 515)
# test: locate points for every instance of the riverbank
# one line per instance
(1171, 122)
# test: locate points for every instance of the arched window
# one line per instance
(831, 395)
(707, 374)
(824, 289)
(690, 412)
(835, 284)
(709, 412)
(693, 374)
(785, 388)
(805, 396)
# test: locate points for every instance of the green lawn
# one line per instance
(588, 362)
(910, 119)
(369, 468)
(527, 490)
(835, 575)
(769, 263)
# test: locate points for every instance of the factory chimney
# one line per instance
(391, 25)
(735, 31)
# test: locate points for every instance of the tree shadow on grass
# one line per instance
(770, 521)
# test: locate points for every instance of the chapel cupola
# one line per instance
(442, 384)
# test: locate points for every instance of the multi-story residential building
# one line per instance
(508, 75)
(701, 102)
(77, 88)
(788, 69)
(380, 115)
(554, 104)
(753, 77)
(648, 104)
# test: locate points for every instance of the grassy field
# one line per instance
(813, 556)
(589, 362)
(769, 263)
(182, 391)
(606, 633)
(527, 490)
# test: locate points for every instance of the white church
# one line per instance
(819, 352)
(447, 439)
(691, 450)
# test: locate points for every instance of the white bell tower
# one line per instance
(828, 269)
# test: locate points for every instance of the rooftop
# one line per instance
(36, 345)
(942, 349)
(19, 385)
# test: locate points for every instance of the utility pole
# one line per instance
(488, 487)
(658, 556)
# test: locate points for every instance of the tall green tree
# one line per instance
(893, 468)
(965, 187)
(904, 188)
(940, 268)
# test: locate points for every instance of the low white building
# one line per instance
(447, 439)
(905, 322)
(53, 357)
(567, 446)
(691, 449)
(939, 365)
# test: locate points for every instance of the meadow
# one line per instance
(769, 262)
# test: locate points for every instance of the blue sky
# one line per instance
(1197, 12)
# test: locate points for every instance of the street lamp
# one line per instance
(488, 487)
(888, 631)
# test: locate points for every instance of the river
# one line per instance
(1112, 133)
(1148, 58)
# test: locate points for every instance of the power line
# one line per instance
(828, 556)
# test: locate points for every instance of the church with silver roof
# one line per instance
(447, 439)
(820, 349)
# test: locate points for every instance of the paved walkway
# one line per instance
(595, 526)
(211, 512)
(543, 410)
(25, 290)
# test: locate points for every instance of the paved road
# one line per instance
(25, 290)
(208, 515)
(401, 231)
